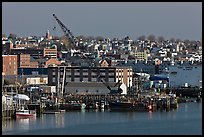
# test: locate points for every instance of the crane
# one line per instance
(106, 84)
(66, 31)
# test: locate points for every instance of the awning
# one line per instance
(21, 97)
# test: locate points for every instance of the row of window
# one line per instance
(54, 80)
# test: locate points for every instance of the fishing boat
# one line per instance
(21, 107)
(120, 106)
(24, 113)
(130, 106)
(71, 105)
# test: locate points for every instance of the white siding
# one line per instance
(184, 75)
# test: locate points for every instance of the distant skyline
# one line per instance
(181, 20)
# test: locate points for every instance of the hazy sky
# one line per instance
(108, 19)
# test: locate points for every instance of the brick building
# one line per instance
(9, 64)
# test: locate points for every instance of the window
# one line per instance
(173, 73)
(53, 80)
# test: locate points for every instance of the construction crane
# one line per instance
(99, 77)
(66, 31)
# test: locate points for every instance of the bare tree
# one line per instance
(90, 38)
(81, 37)
(160, 39)
(186, 42)
(99, 38)
(178, 40)
(172, 40)
(12, 36)
(4, 35)
(151, 37)
(141, 38)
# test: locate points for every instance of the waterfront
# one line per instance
(185, 120)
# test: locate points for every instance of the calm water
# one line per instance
(186, 120)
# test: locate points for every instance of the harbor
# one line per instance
(185, 120)
(145, 101)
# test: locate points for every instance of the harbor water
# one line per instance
(185, 120)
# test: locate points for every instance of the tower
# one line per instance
(48, 37)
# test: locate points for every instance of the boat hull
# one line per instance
(126, 106)
(25, 114)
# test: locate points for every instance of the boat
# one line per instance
(71, 105)
(25, 113)
(120, 106)
(22, 109)
(130, 106)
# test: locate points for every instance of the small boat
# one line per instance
(24, 113)
(70, 106)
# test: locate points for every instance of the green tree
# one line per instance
(6, 82)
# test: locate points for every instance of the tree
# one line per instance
(160, 39)
(4, 35)
(186, 42)
(168, 54)
(142, 38)
(178, 40)
(12, 36)
(6, 82)
(172, 40)
(81, 37)
(151, 37)
(66, 42)
(99, 38)
(55, 37)
(90, 38)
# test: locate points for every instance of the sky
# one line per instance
(107, 19)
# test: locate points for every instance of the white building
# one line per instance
(185, 75)
(37, 80)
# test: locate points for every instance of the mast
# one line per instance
(63, 80)
(58, 81)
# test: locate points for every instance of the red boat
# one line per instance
(25, 113)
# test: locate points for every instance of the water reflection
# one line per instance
(59, 120)
(53, 120)
(150, 115)
(7, 124)
(24, 123)
(92, 121)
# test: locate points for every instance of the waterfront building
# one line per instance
(62, 75)
(93, 88)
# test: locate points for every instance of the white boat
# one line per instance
(24, 113)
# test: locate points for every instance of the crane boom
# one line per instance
(66, 31)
